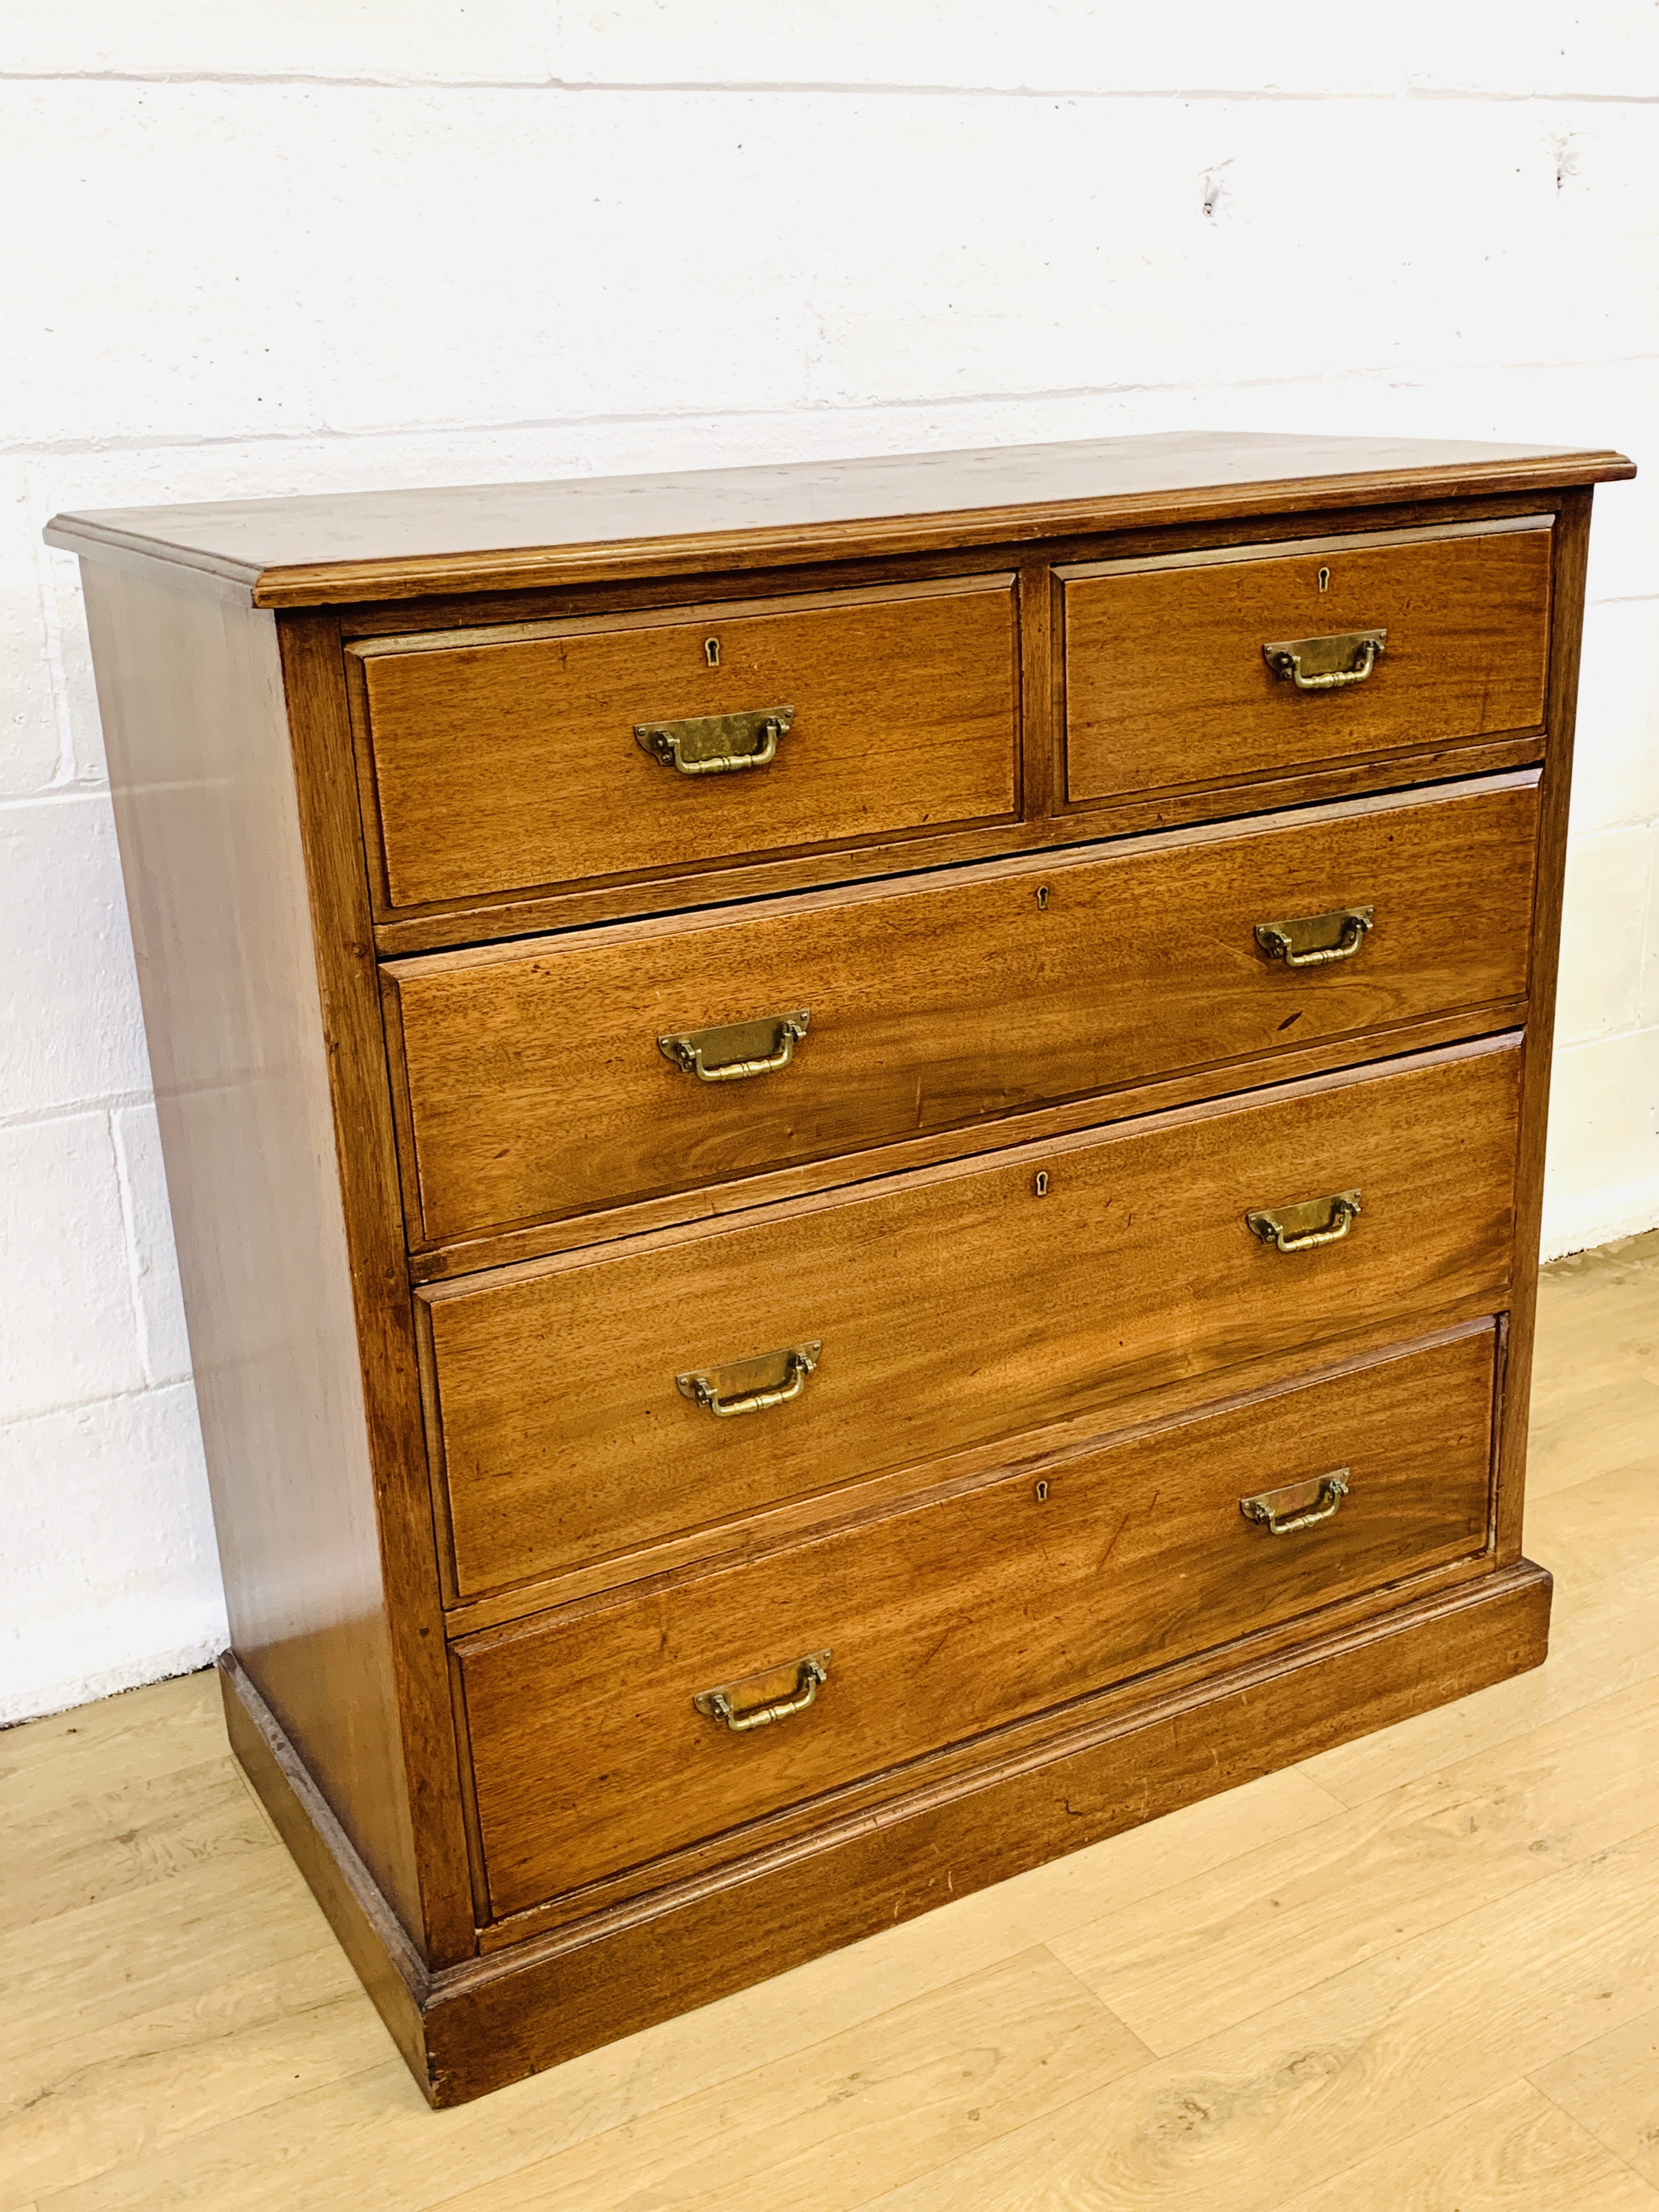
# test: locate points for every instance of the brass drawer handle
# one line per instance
(1333, 1489)
(1315, 1221)
(702, 1385)
(717, 1705)
(1306, 942)
(1324, 664)
(714, 745)
(692, 1048)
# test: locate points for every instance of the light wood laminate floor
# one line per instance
(1420, 1972)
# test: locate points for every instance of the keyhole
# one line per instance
(1042, 1493)
(1042, 895)
(711, 646)
(1324, 580)
(1041, 1186)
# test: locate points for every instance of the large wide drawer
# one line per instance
(579, 1400)
(535, 1085)
(936, 1624)
(1177, 671)
(509, 758)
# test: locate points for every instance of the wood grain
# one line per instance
(535, 1087)
(1207, 1954)
(489, 2022)
(1610, 2086)
(1513, 2151)
(955, 1306)
(504, 760)
(1246, 2118)
(186, 2042)
(112, 2093)
(366, 1164)
(1078, 1306)
(1567, 602)
(1608, 1607)
(335, 548)
(476, 921)
(124, 1838)
(955, 2070)
(141, 1736)
(1177, 649)
(386, 1962)
(498, 1247)
(957, 1616)
(190, 691)
(1597, 1344)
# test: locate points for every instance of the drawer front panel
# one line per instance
(509, 761)
(953, 1307)
(944, 1621)
(536, 1088)
(1166, 683)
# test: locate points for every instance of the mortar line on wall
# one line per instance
(66, 777)
(743, 87)
(130, 1241)
(115, 1102)
(1648, 949)
(63, 779)
(819, 410)
(1634, 1028)
(21, 1420)
(52, 794)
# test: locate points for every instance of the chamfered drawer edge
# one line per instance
(597, 1744)
(948, 1307)
(523, 757)
(532, 1087)
(1189, 669)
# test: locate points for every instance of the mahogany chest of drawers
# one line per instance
(856, 1155)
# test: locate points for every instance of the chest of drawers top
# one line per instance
(335, 548)
(856, 1153)
(962, 654)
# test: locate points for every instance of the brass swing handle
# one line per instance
(702, 1385)
(1306, 942)
(1301, 1228)
(811, 1674)
(1333, 1489)
(692, 1049)
(715, 745)
(1325, 664)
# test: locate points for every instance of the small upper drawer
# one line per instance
(536, 754)
(588, 1405)
(596, 1743)
(1230, 666)
(540, 1079)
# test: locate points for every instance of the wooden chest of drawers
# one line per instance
(856, 1154)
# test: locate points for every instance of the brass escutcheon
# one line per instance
(715, 745)
(1325, 664)
(1303, 1227)
(1314, 940)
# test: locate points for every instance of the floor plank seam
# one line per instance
(1584, 2127)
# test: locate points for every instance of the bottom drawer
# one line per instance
(960, 1612)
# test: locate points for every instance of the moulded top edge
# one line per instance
(335, 548)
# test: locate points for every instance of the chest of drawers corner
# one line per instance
(856, 1154)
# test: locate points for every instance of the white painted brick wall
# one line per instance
(261, 249)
